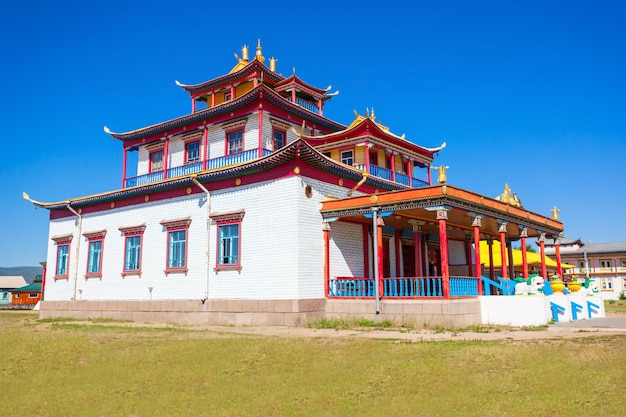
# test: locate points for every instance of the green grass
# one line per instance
(70, 369)
(616, 306)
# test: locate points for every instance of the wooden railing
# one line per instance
(219, 162)
(405, 287)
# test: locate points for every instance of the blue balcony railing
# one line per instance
(417, 183)
(184, 170)
(402, 179)
(222, 161)
(144, 179)
(380, 172)
(408, 287)
(305, 104)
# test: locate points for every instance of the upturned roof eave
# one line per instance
(254, 65)
(364, 126)
(225, 108)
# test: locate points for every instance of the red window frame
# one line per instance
(227, 142)
(132, 232)
(172, 226)
(284, 133)
(187, 144)
(152, 152)
(94, 237)
(62, 241)
(226, 219)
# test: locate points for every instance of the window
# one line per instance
(228, 240)
(228, 249)
(94, 264)
(133, 237)
(278, 138)
(607, 284)
(347, 157)
(5, 295)
(156, 161)
(623, 264)
(373, 157)
(177, 249)
(63, 256)
(94, 253)
(177, 234)
(132, 253)
(581, 264)
(605, 263)
(234, 142)
(227, 96)
(33, 294)
(192, 152)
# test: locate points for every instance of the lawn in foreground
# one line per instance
(59, 369)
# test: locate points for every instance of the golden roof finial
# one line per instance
(259, 52)
(244, 53)
(555, 213)
(508, 197)
(273, 62)
(373, 117)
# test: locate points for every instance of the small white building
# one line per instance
(604, 262)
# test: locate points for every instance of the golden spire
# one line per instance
(273, 64)
(259, 53)
(244, 53)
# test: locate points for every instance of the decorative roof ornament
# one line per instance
(508, 197)
(555, 213)
(259, 52)
(442, 175)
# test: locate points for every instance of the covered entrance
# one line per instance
(424, 243)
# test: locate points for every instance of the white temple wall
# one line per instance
(112, 285)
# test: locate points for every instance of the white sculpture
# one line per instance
(532, 286)
(590, 288)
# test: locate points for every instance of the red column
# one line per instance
(212, 98)
(319, 107)
(193, 105)
(44, 265)
(409, 172)
(326, 229)
(476, 224)
(205, 143)
(523, 235)
(124, 168)
(442, 216)
(492, 274)
(367, 157)
(392, 158)
(542, 251)
(557, 247)
(260, 152)
(232, 92)
(379, 247)
(502, 231)
(165, 156)
(429, 180)
(293, 95)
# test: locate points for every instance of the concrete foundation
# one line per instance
(447, 313)
(192, 312)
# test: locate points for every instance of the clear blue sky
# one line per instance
(532, 93)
